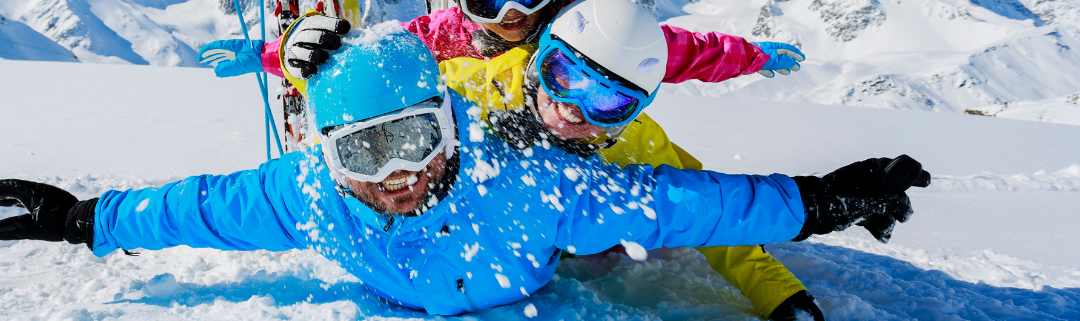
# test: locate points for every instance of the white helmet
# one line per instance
(619, 35)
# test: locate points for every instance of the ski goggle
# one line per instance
(370, 150)
(569, 78)
(493, 11)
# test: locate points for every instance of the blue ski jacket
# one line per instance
(493, 240)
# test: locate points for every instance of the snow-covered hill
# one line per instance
(937, 55)
(992, 238)
(19, 42)
(156, 32)
(985, 56)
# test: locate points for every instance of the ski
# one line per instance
(293, 105)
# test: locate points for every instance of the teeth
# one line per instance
(396, 184)
(568, 116)
(514, 21)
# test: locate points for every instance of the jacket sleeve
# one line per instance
(760, 277)
(665, 206)
(710, 57)
(446, 32)
(645, 142)
(246, 210)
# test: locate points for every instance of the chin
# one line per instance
(408, 208)
(517, 36)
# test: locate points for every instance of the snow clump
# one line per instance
(530, 310)
(635, 251)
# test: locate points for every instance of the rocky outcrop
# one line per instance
(71, 24)
(846, 19)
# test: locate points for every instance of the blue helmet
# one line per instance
(377, 71)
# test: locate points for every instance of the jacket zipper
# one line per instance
(461, 287)
(389, 223)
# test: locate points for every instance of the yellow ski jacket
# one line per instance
(498, 84)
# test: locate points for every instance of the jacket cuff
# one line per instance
(810, 187)
(271, 61)
(79, 225)
(760, 58)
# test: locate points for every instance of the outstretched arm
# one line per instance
(709, 57)
(246, 210)
(664, 206)
(715, 57)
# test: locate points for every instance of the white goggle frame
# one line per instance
(502, 12)
(334, 161)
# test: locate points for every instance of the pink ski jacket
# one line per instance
(710, 57)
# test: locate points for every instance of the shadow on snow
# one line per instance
(849, 284)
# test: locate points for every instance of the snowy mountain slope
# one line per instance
(20, 42)
(149, 40)
(131, 31)
(991, 238)
(1055, 110)
(160, 32)
(71, 24)
(939, 55)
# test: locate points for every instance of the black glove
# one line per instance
(869, 193)
(309, 42)
(802, 304)
(55, 215)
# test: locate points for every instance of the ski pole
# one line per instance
(271, 126)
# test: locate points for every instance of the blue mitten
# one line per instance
(783, 58)
(232, 57)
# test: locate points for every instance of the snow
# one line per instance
(530, 310)
(991, 238)
(154, 32)
(20, 42)
(1006, 58)
(635, 251)
(994, 236)
(937, 55)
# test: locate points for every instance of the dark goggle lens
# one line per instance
(489, 9)
(411, 139)
(564, 79)
(610, 109)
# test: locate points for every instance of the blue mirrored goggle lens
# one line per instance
(564, 79)
(489, 9)
(411, 139)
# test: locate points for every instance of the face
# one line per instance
(564, 120)
(403, 192)
(515, 25)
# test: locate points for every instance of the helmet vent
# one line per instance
(577, 22)
(648, 65)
